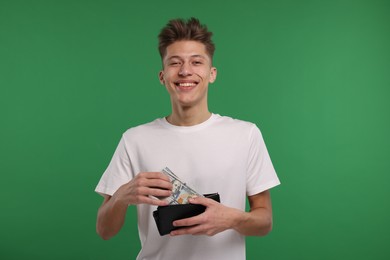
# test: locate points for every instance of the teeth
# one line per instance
(187, 84)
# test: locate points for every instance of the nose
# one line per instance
(185, 70)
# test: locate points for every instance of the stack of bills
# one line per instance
(181, 192)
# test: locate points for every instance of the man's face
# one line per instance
(187, 72)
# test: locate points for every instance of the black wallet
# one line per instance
(165, 215)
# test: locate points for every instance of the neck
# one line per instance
(190, 116)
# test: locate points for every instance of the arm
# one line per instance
(217, 218)
(258, 221)
(111, 214)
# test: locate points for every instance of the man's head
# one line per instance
(181, 30)
(186, 51)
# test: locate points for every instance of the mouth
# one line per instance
(186, 85)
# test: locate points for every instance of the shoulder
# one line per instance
(141, 130)
(235, 124)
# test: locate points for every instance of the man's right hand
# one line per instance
(144, 185)
(111, 214)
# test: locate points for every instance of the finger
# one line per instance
(158, 192)
(202, 201)
(156, 183)
(152, 182)
(187, 222)
(188, 231)
(146, 191)
(157, 202)
(151, 201)
(154, 175)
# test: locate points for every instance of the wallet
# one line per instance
(165, 215)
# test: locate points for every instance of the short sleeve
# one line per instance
(261, 174)
(117, 173)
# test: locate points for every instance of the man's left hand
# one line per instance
(215, 219)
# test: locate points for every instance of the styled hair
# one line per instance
(180, 29)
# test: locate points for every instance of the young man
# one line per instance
(210, 152)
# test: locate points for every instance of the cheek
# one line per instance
(169, 76)
(201, 74)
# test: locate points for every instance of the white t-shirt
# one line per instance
(221, 155)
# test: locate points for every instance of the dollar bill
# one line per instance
(181, 192)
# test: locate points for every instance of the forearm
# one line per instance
(111, 217)
(257, 222)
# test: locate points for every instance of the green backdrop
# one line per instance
(314, 75)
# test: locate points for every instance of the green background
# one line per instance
(314, 75)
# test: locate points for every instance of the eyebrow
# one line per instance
(192, 56)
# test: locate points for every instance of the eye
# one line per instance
(197, 62)
(174, 63)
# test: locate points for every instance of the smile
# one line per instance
(186, 84)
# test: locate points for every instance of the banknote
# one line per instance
(181, 192)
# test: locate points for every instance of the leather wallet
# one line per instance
(165, 215)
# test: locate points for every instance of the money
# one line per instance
(181, 192)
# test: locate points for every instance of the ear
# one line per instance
(161, 77)
(213, 75)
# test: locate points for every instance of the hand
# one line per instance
(144, 185)
(215, 219)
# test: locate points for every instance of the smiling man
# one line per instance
(187, 73)
(213, 153)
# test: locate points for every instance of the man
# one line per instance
(210, 152)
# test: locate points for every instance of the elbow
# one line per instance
(103, 233)
(265, 229)
(104, 236)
